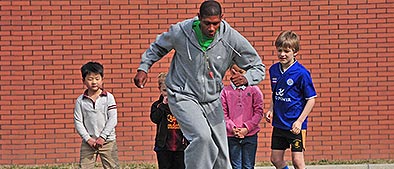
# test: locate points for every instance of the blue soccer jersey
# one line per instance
(290, 91)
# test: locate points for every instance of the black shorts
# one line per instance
(282, 139)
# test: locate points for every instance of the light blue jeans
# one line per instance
(243, 152)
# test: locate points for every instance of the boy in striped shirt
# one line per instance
(95, 118)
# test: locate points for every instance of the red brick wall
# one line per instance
(347, 45)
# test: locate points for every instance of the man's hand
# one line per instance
(238, 79)
(140, 79)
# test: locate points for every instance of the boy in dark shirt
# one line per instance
(169, 141)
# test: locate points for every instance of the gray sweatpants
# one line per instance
(204, 126)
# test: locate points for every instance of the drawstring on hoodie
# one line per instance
(188, 50)
(231, 48)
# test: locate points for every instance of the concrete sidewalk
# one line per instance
(347, 166)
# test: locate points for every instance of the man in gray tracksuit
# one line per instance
(205, 47)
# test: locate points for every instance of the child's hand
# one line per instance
(92, 143)
(165, 100)
(236, 132)
(243, 132)
(99, 142)
(296, 128)
(268, 116)
(240, 132)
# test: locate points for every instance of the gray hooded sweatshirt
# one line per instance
(198, 73)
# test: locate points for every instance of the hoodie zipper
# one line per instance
(210, 73)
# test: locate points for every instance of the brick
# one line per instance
(346, 45)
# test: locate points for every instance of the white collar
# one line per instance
(284, 70)
(243, 87)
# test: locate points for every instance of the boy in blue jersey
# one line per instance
(293, 97)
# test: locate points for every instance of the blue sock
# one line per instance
(285, 167)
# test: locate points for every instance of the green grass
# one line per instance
(75, 166)
(336, 162)
(327, 162)
(154, 166)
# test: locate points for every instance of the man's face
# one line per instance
(210, 24)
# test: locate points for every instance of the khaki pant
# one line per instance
(108, 154)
